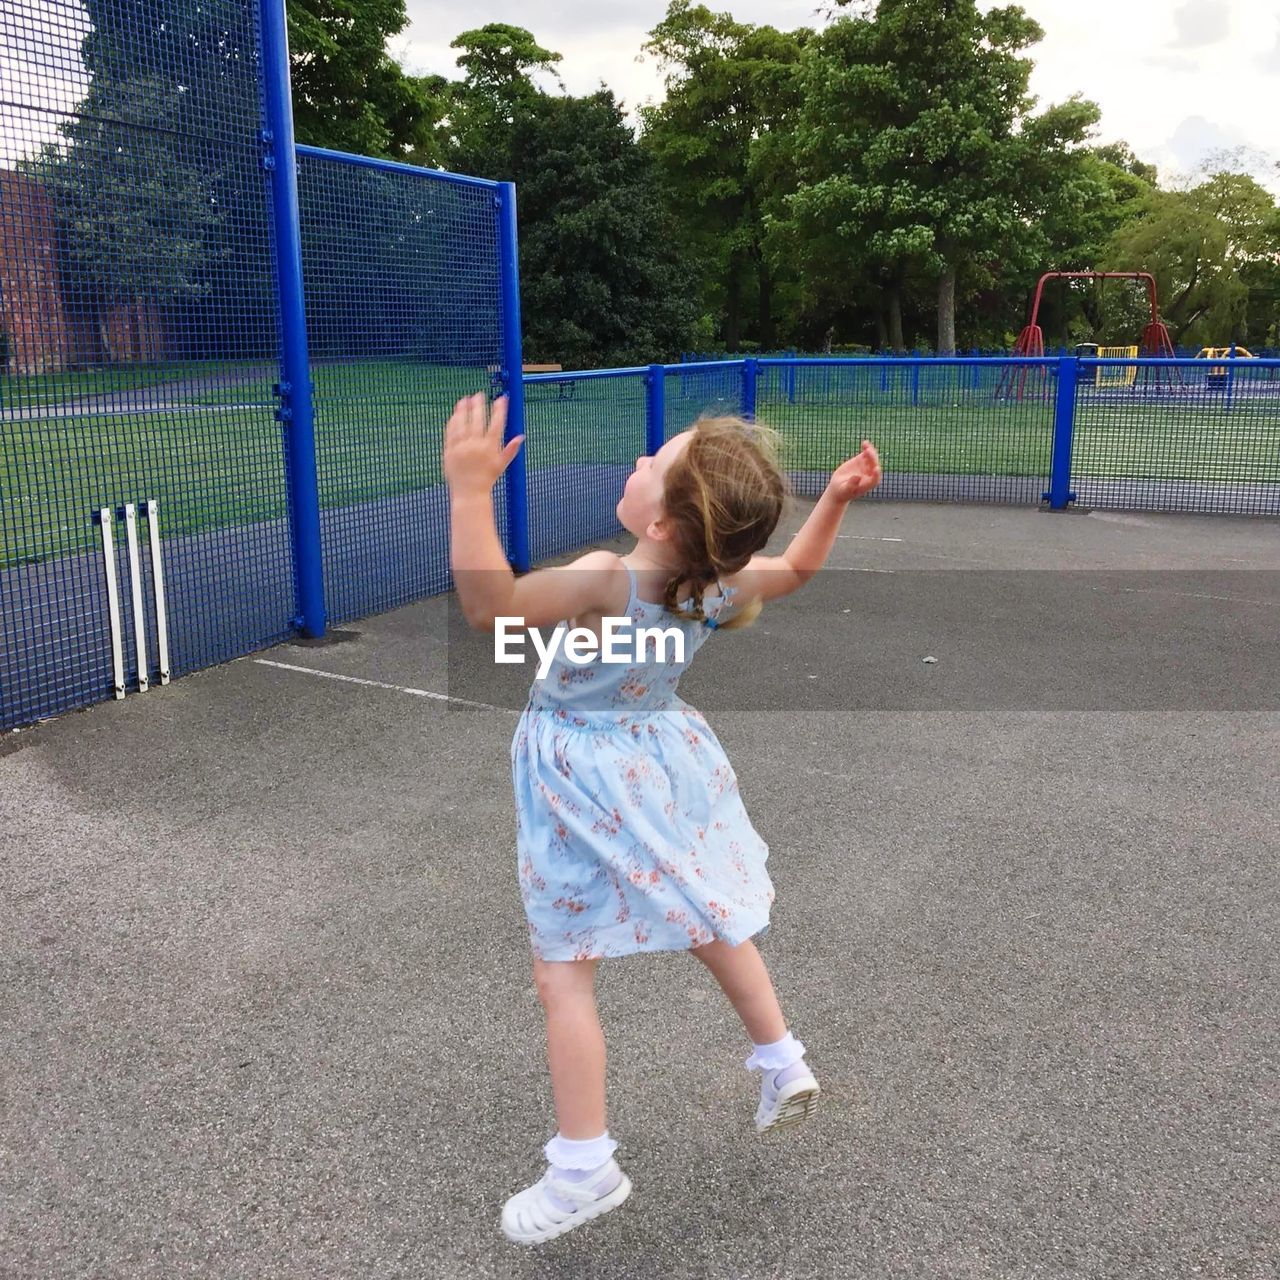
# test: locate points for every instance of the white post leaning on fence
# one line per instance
(135, 592)
(151, 509)
(113, 600)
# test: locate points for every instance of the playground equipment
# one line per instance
(1216, 374)
(1116, 375)
(1109, 375)
(1154, 343)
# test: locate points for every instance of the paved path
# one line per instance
(266, 1008)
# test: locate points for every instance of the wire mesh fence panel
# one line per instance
(1199, 437)
(693, 392)
(582, 439)
(138, 339)
(403, 299)
(944, 430)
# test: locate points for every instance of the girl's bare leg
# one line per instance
(570, 1193)
(742, 976)
(788, 1090)
(575, 1044)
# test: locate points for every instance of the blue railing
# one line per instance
(226, 359)
(868, 353)
(1178, 435)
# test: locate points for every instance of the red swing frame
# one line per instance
(1155, 341)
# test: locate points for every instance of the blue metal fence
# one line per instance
(137, 301)
(224, 362)
(943, 428)
(861, 352)
(403, 276)
(1178, 435)
(583, 434)
(1181, 435)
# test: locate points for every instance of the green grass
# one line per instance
(217, 461)
(42, 390)
(1132, 441)
(965, 440)
(387, 382)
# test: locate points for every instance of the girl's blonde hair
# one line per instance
(722, 500)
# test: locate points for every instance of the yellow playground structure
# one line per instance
(1216, 374)
(1224, 353)
(1116, 375)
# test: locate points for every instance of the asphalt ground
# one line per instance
(265, 1006)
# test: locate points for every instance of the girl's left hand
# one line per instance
(474, 455)
(859, 475)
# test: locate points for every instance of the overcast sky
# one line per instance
(1176, 79)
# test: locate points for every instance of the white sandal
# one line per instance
(794, 1101)
(532, 1217)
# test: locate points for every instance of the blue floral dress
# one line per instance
(631, 835)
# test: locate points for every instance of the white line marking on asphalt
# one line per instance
(1189, 595)
(378, 684)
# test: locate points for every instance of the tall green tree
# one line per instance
(731, 89)
(601, 279)
(348, 92)
(156, 184)
(918, 150)
(1261, 277)
(498, 88)
(138, 218)
(1204, 245)
(1110, 186)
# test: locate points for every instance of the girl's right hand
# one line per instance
(475, 455)
(859, 475)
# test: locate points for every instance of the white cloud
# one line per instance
(1195, 137)
(1270, 62)
(600, 41)
(1171, 61)
(608, 36)
(1198, 146)
(1090, 47)
(1201, 22)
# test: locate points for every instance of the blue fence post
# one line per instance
(655, 423)
(516, 477)
(296, 414)
(1231, 369)
(749, 370)
(1064, 421)
(791, 379)
(915, 383)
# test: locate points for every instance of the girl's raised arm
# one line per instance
(474, 460)
(768, 577)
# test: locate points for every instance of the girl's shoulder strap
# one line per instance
(723, 601)
(631, 577)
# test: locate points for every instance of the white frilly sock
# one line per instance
(578, 1160)
(586, 1155)
(774, 1057)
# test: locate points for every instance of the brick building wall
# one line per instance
(31, 312)
(43, 334)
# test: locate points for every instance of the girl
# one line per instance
(630, 831)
